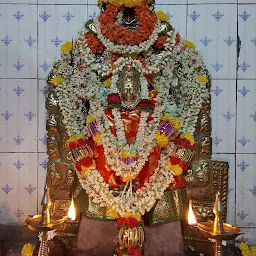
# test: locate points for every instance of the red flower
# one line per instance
(177, 39)
(134, 252)
(121, 222)
(149, 78)
(177, 140)
(86, 162)
(132, 222)
(78, 167)
(160, 42)
(81, 143)
(183, 165)
(113, 98)
(145, 103)
(72, 145)
(185, 143)
(174, 160)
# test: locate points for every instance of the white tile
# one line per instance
(213, 30)
(18, 194)
(18, 114)
(156, 2)
(42, 117)
(57, 24)
(247, 1)
(246, 190)
(248, 237)
(212, 1)
(247, 35)
(18, 41)
(93, 11)
(231, 209)
(246, 116)
(62, 2)
(177, 16)
(223, 114)
(18, 1)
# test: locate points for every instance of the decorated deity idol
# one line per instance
(130, 90)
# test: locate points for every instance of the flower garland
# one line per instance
(141, 201)
(79, 76)
(124, 36)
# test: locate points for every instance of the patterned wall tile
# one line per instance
(212, 1)
(41, 173)
(247, 1)
(248, 236)
(18, 114)
(177, 17)
(213, 30)
(231, 210)
(246, 116)
(246, 190)
(156, 1)
(57, 24)
(18, 41)
(18, 1)
(223, 113)
(42, 139)
(62, 2)
(247, 35)
(18, 181)
(93, 11)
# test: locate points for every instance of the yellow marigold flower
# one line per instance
(100, 2)
(66, 47)
(202, 79)
(161, 139)
(107, 83)
(175, 123)
(115, 2)
(128, 178)
(113, 214)
(132, 215)
(126, 154)
(75, 138)
(90, 119)
(189, 44)
(97, 139)
(175, 168)
(162, 16)
(85, 171)
(27, 250)
(57, 80)
(189, 137)
(132, 3)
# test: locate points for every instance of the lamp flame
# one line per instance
(72, 210)
(191, 215)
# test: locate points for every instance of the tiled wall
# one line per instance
(31, 32)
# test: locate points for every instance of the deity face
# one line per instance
(129, 87)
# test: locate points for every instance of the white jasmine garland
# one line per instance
(141, 201)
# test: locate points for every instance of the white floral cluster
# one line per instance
(140, 202)
(122, 49)
(145, 139)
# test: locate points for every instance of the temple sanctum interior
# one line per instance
(127, 127)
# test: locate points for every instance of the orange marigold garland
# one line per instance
(94, 43)
(120, 34)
